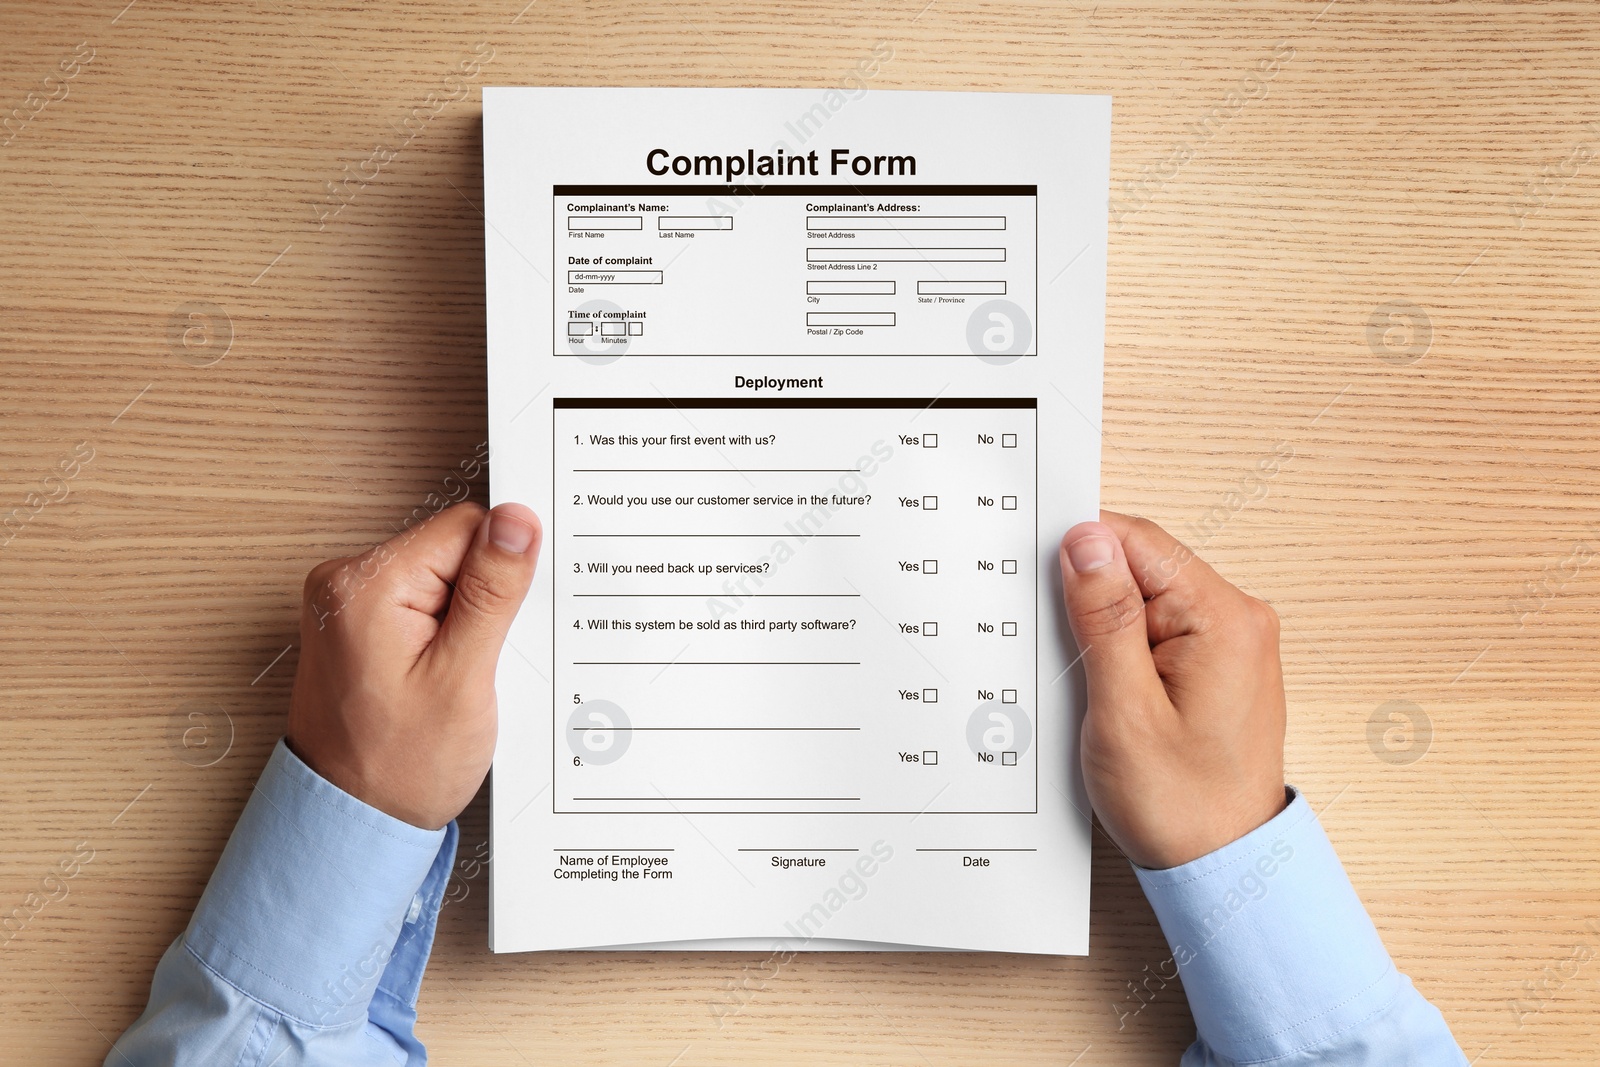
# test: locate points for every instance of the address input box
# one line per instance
(905, 255)
(852, 287)
(835, 223)
(849, 318)
(961, 287)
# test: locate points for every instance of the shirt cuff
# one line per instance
(312, 894)
(1276, 951)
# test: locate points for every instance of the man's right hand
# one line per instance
(1183, 740)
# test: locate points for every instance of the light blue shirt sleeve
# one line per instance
(1281, 964)
(308, 945)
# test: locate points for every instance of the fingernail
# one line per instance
(1091, 553)
(509, 532)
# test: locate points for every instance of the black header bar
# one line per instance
(778, 189)
(794, 402)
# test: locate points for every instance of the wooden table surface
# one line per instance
(1364, 235)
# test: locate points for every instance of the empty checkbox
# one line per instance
(930, 503)
(930, 440)
(1008, 440)
(1008, 566)
(930, 629)
(1008, 503)
(930, 757)
(930, 566)
(1007, 759)
(1008, 629)
(1008, 696)
(930, 696)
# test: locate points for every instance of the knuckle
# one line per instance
(484, 592)
(316, 574)
(329, 589)
(1259, 620)
(1113, 615)
(320, 585)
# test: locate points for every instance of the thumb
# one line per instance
(489, 588)
(1106, 608)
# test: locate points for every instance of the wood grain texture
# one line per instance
(1419, 545)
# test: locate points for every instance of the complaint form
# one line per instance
(805, 387)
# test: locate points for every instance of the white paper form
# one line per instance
(806, 389)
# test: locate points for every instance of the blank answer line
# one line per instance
(613, 850)
(805, 537)
(716, 470)
(707, 596)
(741, 799)
(716, 662)
(638, 729)
(977, 850)
(808, 850)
